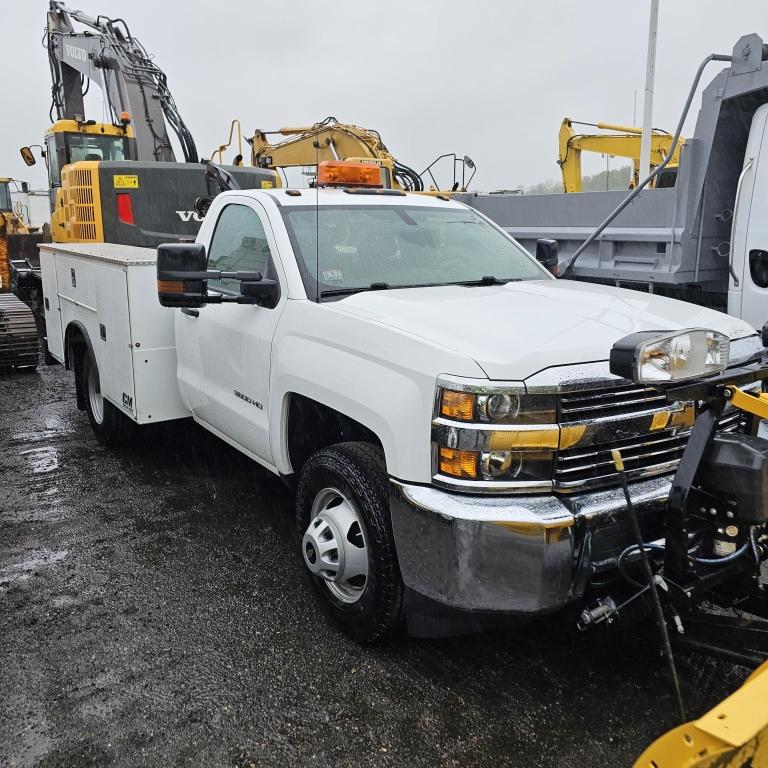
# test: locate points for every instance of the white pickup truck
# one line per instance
(442, 404)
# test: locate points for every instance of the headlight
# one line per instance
(492, 437)
(497, 407)
(652, 357)
(500, 406)
(516, 465)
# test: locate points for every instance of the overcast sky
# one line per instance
(489, 79)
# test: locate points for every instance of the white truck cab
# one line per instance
(441, 403)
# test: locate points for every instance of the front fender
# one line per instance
(379, 376)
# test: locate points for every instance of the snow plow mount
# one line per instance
(708, 570)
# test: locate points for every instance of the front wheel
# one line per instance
(110, 426)
(342, 514)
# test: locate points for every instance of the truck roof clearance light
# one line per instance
(125, 208)
(344, 173)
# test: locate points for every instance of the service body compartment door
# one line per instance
(153, 350)
(224, 350)
(94, 295)
(53, 328)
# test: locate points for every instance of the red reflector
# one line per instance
(124, 208)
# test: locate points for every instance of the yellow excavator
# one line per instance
(331, 140)
(10, 224)
(19, 347)
(622, 141)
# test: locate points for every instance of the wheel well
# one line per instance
(76, 344)
(312, 426)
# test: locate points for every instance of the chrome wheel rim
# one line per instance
(335, 546)
(94, 394)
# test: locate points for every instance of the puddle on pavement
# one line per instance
(54, 427)
(42, 460)
(23, 570)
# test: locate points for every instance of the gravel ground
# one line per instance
(153, 612)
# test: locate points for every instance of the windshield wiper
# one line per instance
(350, 291)
(490, 280)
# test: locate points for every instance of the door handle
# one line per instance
(744, 172)
(190, 312)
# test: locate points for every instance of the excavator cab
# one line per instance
(75, 141)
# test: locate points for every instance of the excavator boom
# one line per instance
(108, 54)
(624, 141)
(329, 140)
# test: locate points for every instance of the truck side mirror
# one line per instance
(25, 187)
(27, 156)
(181, 268)
(265, 291)
(764, 334)
(546, 255)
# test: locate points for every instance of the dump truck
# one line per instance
(704, 240)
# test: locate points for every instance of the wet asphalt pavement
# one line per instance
(153, 611)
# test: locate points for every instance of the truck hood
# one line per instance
(515, 330)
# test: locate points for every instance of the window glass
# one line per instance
(84, 146)
(354, 247)
(5, 196)
(52, 160)
(239, 245)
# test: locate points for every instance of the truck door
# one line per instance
(224, 350)
(748, 288)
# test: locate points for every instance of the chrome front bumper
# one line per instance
(514, 554)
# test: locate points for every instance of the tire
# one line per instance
(368, 610)
(110, 426)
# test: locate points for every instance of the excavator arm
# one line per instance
(107, 54)
(623, 142)
(329, 140)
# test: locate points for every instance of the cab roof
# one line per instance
(355, 196)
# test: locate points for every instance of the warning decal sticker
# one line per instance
(125, 181)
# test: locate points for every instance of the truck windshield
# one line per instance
(358, 248)
(85, 146)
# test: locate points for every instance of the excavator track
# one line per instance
(19, 345)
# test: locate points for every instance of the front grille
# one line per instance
(647, 452)
(629, 399)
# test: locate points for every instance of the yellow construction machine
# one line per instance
(305, 146)
(11, 223)
(622, 141)
(117, 181)
(18, 333)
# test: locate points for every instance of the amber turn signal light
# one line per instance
(457, 405)
(171, 286)
(458, 463)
